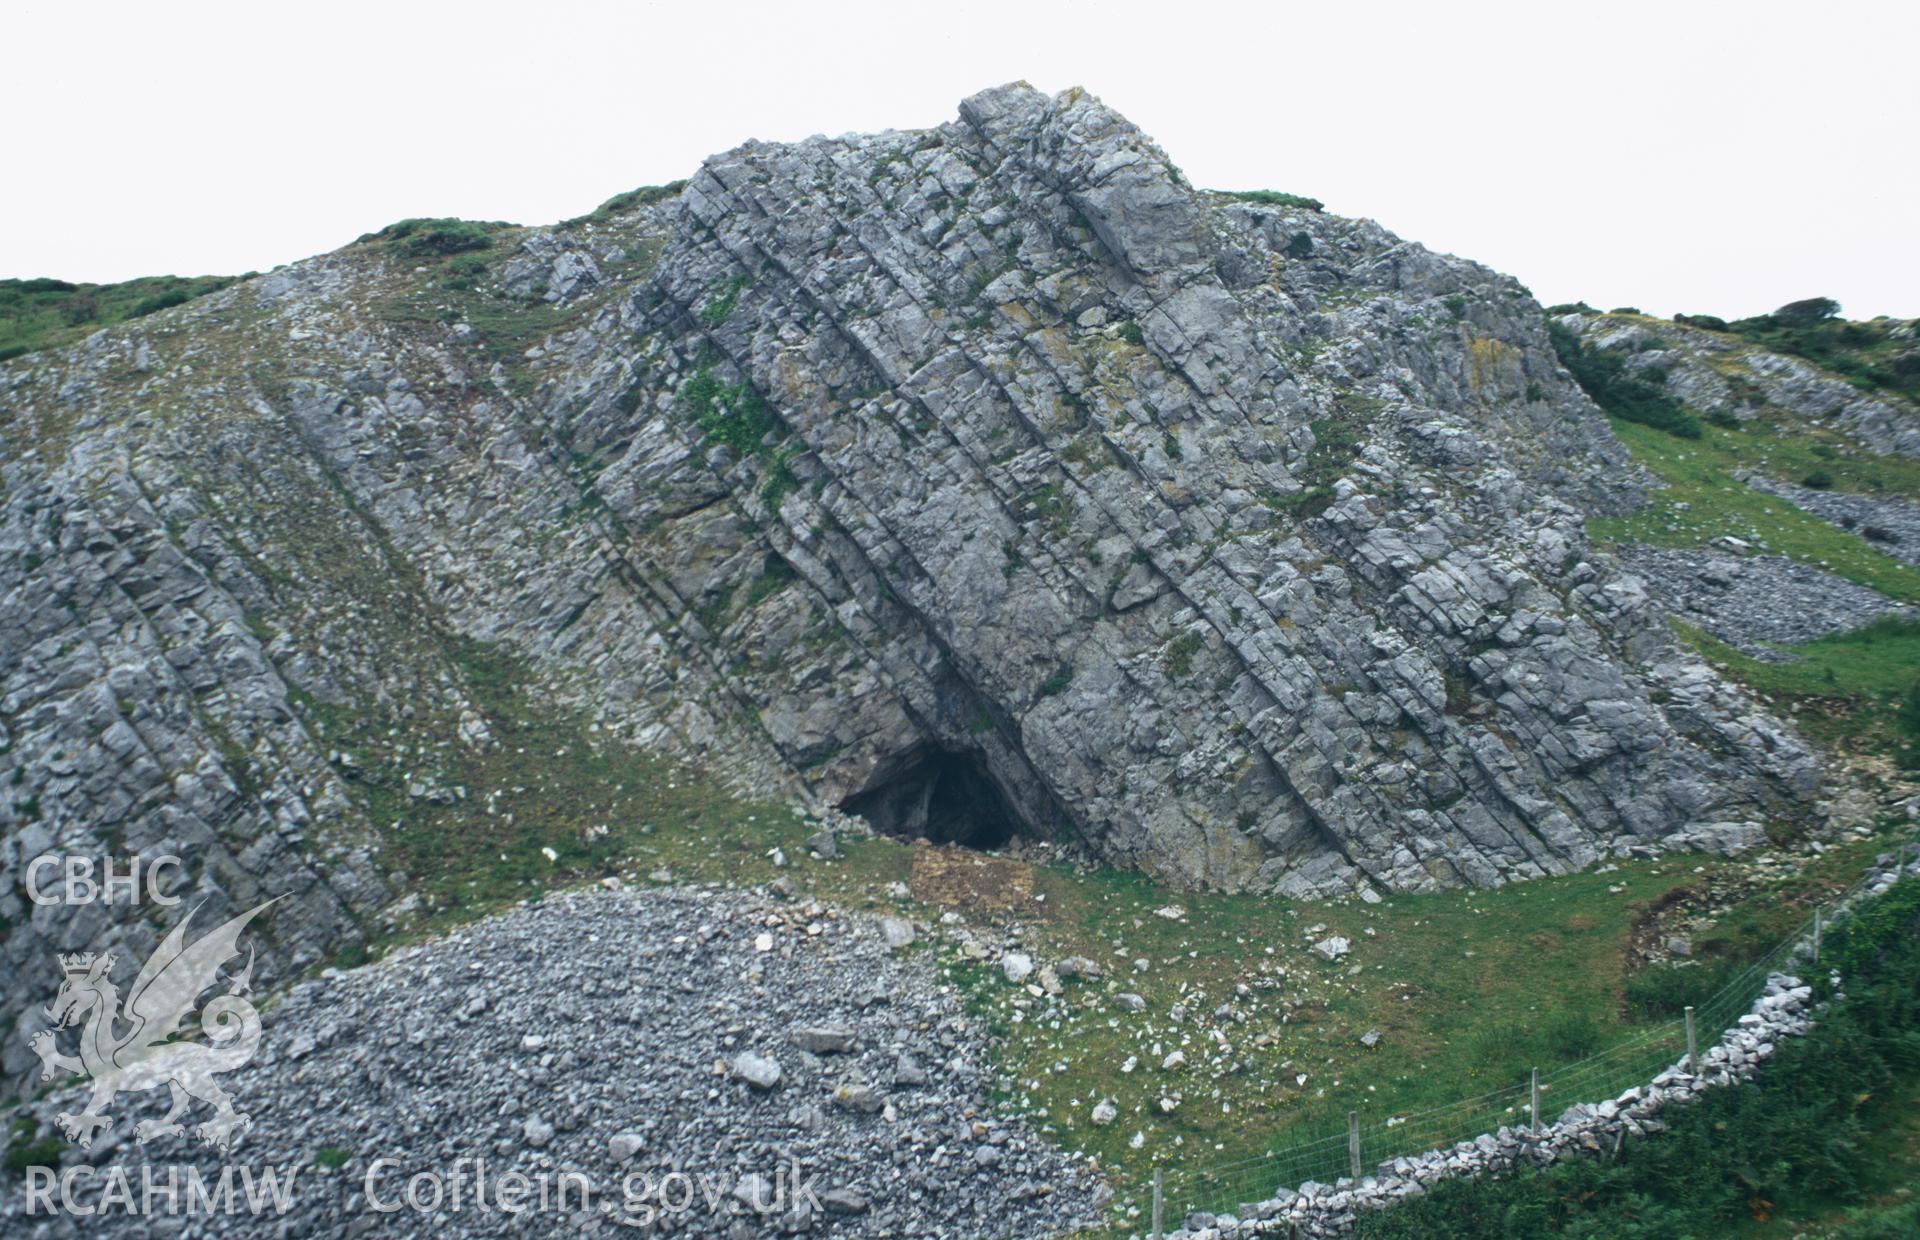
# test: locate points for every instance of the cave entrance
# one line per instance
(944, 797)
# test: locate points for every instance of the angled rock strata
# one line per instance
(988, 480)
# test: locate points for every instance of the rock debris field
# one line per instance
(1756, 602)
(746, 1044)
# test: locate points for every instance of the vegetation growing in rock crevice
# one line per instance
(1603, 375)
(730, 413)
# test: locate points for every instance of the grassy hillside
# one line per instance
(1823, 1142)
(44, 313)
(1701, 500)
(1855, 692)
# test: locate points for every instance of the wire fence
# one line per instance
(1325, 1155)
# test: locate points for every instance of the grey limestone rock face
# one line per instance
(986, 480)
(1254, 562)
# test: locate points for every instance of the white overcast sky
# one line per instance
(1719, 158)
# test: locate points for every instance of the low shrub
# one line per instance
(1661, 992)
(434, 237)
(1603, 375)
(1273, 198)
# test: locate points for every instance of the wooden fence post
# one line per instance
(1819, 915)
(1533, 1107)
(1693, 1055)
(1353, 1142)
(1158, 1176)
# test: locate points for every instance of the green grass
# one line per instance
(1469, 990)
(546, 783)
(1702, 501)
(1852, 692)
(620, 204)
(1828, 1124)
(44, 313)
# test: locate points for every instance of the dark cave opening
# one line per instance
(943, 797)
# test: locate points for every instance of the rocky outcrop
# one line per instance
(1718, 374)
(1892, 525)
(1243, 543)
(986, 479)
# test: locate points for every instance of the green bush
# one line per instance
(1867, 355)
(434, 238)
(1570, 1036)
(1300, 245)
(1273, 198)
(1900, 1222)
(1818, 479)
(1712, 322)
(159, 301)
(1803, 313)
(1604, 377)
(730, 413)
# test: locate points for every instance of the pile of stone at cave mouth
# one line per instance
(618, 1032)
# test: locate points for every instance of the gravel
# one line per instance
(1753, 602)
(621, 1032)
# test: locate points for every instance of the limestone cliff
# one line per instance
(986, 479)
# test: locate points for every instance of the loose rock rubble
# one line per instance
(620, 1032)
(1784, 1010)
(1755, 602)
(1891, 525)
